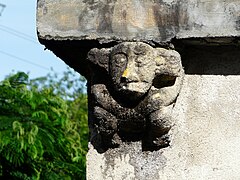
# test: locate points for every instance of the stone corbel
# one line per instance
(132, 91)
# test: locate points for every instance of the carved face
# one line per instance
(132, 68)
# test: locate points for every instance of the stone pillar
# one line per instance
(204, 137)
(162, 83)
(132, 92)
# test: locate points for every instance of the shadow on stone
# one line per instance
(209, 59)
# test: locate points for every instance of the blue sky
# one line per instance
(19, 47)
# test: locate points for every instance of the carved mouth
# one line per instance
(137, 87)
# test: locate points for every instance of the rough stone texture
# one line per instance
(132, 90)
(144, 20)
(205, 139)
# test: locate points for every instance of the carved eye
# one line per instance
(119, 59)
(141, 61)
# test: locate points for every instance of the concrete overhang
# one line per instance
(71, 27)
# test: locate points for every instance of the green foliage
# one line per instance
(43, 127)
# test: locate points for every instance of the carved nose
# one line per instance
(125, 76)
(129, 75)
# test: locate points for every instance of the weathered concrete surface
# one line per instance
(206, 137)
(137, 19)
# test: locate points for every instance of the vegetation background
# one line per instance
(43, 127)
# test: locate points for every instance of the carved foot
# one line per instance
(106, 127)
(155, 143)
(162, 142)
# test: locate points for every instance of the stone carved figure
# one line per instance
(132, 91)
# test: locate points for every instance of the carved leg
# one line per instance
(158, 126)
(106, 126)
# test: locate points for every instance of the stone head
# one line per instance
(134, 67)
